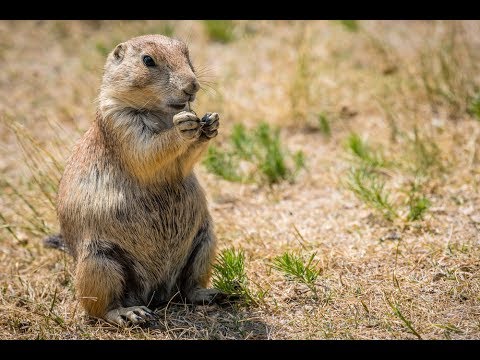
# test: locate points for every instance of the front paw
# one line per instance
(187, 124)
(209, 125)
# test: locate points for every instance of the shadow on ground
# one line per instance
(207, 322)
(181, 321)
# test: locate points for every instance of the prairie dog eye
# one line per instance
(148, 61)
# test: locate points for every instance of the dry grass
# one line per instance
(405, 88)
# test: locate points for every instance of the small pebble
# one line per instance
(391, 236)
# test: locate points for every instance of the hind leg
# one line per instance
(194, 277)
(100, 284)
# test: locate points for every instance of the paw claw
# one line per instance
(209, 125)
(209, 118)
(120, 322)
(133, 315)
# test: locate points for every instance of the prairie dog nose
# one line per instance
(191, 87)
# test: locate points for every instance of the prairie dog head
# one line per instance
(149, 73)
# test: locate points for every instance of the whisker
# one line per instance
(143, 107)
(187, 40)
(208, 82)
(210, 89)
(207, 92)
(208, 85)
(206, 72)
(205, 69)
(205, 76)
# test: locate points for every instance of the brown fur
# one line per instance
(131, 210)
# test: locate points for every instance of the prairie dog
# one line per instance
(131, 210)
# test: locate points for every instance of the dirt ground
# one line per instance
(405, 87)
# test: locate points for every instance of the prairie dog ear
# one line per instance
(119, 52)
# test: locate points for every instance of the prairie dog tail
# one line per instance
(55, 242)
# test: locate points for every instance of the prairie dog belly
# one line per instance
(158, 223)
(167, 220)
(151, 228)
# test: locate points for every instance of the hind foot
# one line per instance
(134, 315)
(210, 296)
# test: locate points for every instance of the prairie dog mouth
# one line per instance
(178, 106)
